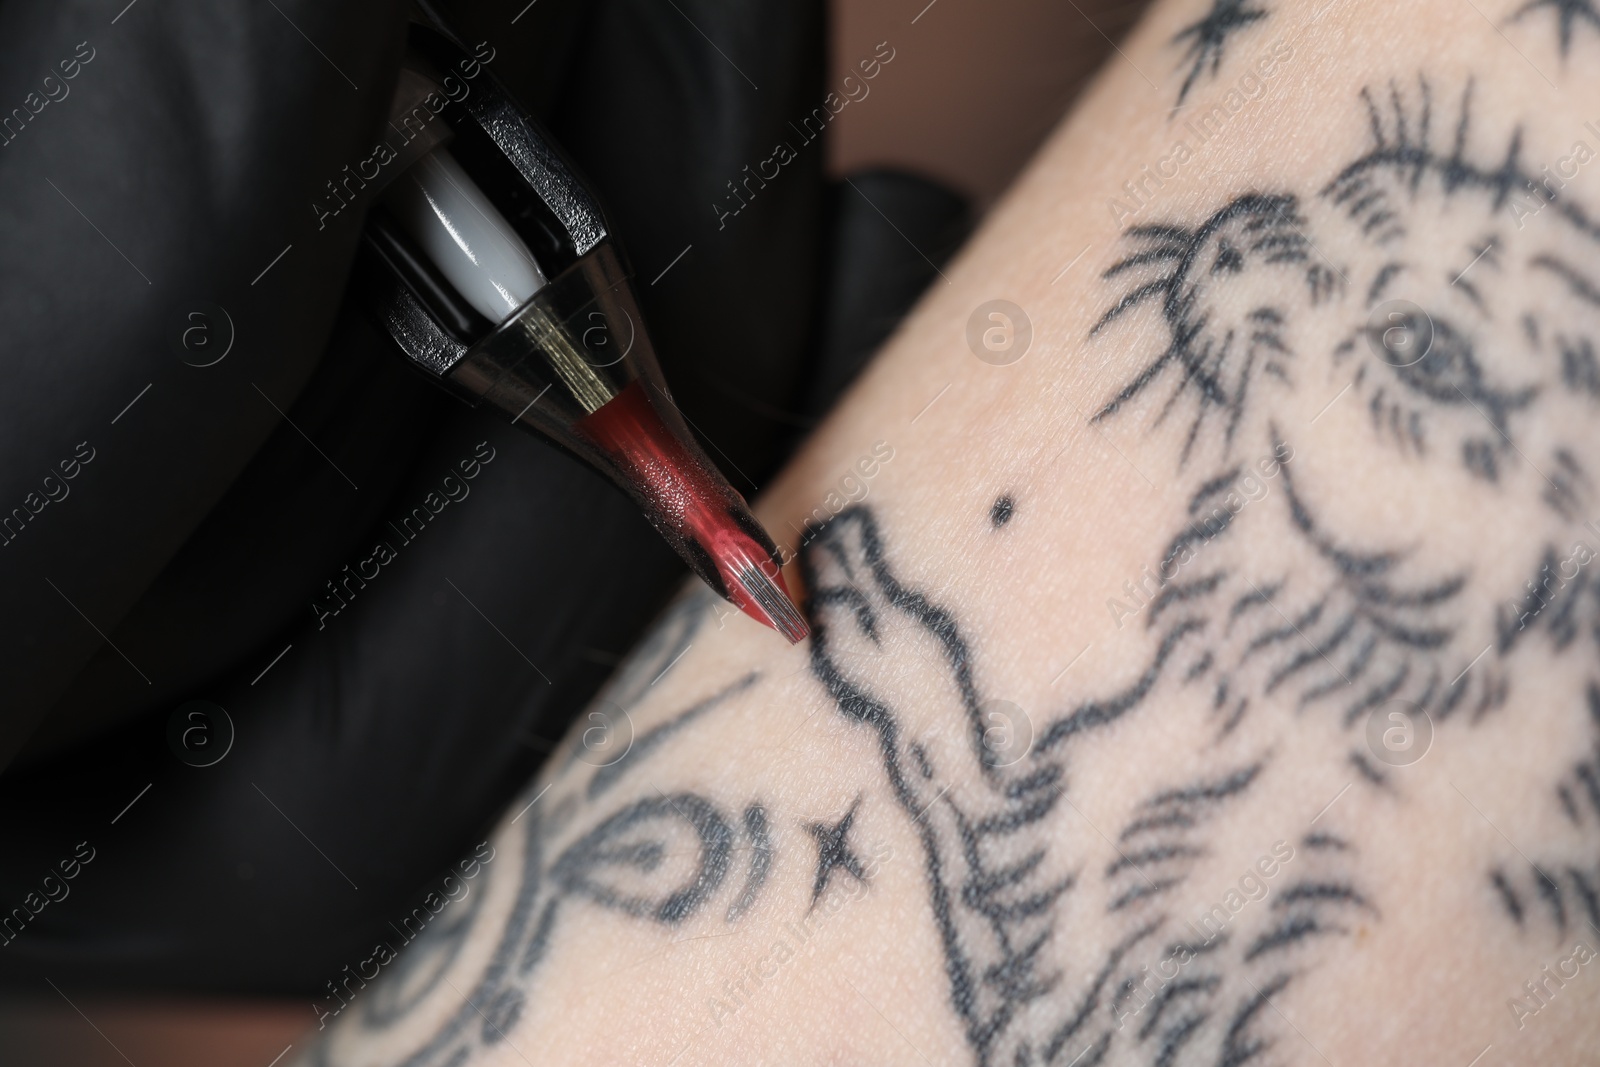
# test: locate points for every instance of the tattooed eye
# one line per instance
(1434, 361)
(1431, 357)
(1400, 333)
(1447, 371)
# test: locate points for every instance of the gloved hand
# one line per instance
(159, 231)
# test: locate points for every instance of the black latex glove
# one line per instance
(187, 553)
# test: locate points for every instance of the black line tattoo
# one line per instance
(1216, 368)
(660, 859)
(1496, 264)
(1004, 847)
(665, 644)
(1272, 611)
(417, 966)
(591, 867)
(1508, 896)
(1567, 12)
(1157, 846)
(646, 743)
(834, 852)
(761, 854)
(993, 919)
(1252, 312)
(1566, 887)
(1207, 39)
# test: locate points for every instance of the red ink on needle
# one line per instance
(556, 341)
(685, 500)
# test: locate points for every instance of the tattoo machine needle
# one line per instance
(494, 270)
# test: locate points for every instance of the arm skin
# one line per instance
(1215, 684)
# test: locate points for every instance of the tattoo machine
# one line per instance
(553, 338)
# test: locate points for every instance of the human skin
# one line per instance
(1292, 628)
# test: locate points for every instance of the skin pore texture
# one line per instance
(1215, 684)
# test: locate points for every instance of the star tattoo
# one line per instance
(833, 850)
(1208, 38)
(1568, 12)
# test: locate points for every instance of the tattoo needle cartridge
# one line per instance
(494, 270)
